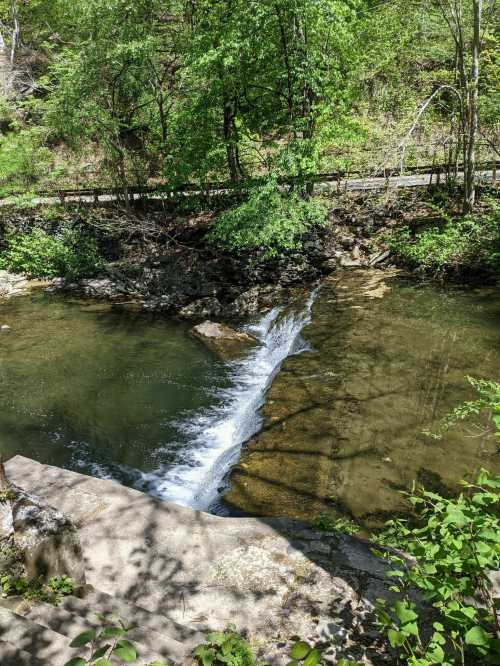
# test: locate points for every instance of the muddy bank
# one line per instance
(345, 421)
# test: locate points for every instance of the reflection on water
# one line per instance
(345, 421)
(133, 398)
(88, 388)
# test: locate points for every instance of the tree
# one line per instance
(9, 41)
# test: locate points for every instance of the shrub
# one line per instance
(106, 645)
(38, 254)
(24, 160)
(51, 591)
(225, 647)
(487, 402)
(454, 544)
(269, 219)
(467, 243)
(327, 522)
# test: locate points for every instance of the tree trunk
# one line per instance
(470, 169)
(230, 142)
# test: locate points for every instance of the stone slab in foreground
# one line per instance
(273, 579)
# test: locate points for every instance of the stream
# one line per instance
(367, 362)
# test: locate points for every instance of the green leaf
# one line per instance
(100, 652)
(102, 662)
(206, 655)
(300, 650)
(477, 636)
(84, 638)
(404, 613)
(313, 658)
(396, 638)
(436, 653)
(112, 632)
(125, 651)
(77, 661)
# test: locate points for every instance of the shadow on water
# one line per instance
(345, 421)
(341, 430)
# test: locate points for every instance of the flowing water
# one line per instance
(132, 398)
(339, 428)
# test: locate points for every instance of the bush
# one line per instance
(269, 219)
(455, 544)
(37, 254)
(105, 645)
(24, 160)
(227, 648)
(467, 243)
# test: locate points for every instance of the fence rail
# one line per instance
(434, 172)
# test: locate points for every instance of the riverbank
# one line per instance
(160, 260)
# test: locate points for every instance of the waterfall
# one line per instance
(216, 437)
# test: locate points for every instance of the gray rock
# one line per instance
(102, 288)
(379, 257)
(5, 328)
(203, 307)
(255, 300)
(274, 579)
(225, 341)
(46, 538)
(12, 284)
(347, 262)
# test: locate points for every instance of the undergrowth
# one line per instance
(268, 219)
(37, 254)
(454, 246)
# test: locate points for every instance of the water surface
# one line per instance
(133, 398)
(343, 423)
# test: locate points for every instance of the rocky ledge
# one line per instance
(274, 579)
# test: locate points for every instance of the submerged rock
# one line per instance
(225, 341)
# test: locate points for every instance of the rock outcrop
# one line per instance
(191, 571)
(37, 538)
(12, 284)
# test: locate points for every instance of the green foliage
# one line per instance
(466, 243)
(38, 254)
(51, 591)
(453, 545)
(268, 220)
(24, 160)
(330, 523)
(487, 403)
(106, 645)
(225, 647)
(302, 654)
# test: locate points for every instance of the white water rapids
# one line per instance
(215, 436)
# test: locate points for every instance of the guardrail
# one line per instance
(230, 186)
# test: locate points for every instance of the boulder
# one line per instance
(225, 341)
(102, 288)
(45, 539)
(12, 284)
(4, 328)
